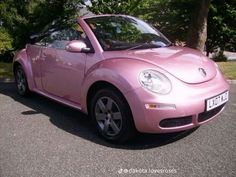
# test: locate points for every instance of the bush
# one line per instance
(7, 57)
(219, 56)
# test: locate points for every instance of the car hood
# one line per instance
(188, 65)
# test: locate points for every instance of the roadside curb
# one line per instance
(232, 81)
(6, 80)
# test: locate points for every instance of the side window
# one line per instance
(60, 38)
(43, 39)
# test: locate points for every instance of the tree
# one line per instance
(197, 34)
(171, 17)
(175, 18)
(21, 18)
(221, 26)
(115, 7)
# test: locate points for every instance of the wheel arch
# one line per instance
(94, 82)
(98, 85)
(21, 59)
(15, 65)
(110, 90)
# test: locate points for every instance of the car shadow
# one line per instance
(77, 123)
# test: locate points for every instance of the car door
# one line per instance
(34, 49)
(62, 71)
(34, 53)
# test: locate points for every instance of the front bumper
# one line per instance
(182, 109)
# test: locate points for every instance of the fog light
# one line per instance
(160, 106)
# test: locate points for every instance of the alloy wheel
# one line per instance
(108, 116)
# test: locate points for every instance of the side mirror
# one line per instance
(77, 46)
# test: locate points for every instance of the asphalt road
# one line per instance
(41, 138)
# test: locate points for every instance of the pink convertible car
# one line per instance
(124, 73)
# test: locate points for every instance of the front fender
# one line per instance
(122, 73)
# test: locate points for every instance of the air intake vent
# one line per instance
(176, 122)
(209, 114)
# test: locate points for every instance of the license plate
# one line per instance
(216, 101)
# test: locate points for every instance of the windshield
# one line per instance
(123, 32)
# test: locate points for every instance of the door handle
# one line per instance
(44, 55)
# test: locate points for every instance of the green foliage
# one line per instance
(5, 41)
(219, 56)
(6, 70)
(11, 16)
(172, 17)
(116, 7)
(222, 26)
(21, 18)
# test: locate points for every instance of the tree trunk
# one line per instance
(197, 34)
(207, 49)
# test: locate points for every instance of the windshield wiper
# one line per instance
(170, 44)
(145, 46)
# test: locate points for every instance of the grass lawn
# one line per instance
(6, 70)
(228, 68)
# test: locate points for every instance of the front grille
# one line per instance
(209, 114)
(176, 122)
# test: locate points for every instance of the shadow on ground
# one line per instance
(77, 123)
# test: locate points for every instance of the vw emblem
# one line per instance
(202, 72)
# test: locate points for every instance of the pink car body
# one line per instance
(68, 77)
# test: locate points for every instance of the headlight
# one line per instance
(155, 81)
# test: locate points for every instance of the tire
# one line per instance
(21, 81)
(112, 116)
